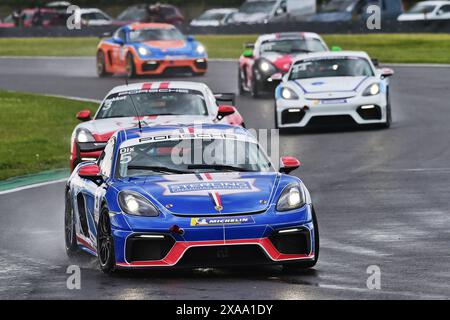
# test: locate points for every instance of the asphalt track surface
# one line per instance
(382, 198)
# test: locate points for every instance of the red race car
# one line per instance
(150, 49)
(263, 64)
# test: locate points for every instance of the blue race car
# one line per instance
(150, 49)
(184, 196)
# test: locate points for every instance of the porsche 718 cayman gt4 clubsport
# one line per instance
(151, 202)
(331, 88)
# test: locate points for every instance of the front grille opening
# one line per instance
(150, 66)
(373, 113)
(174, 71)
(201, 64)
(288, 116)
(148, 249)
(330, 121)
(298, 242)
(223, 256)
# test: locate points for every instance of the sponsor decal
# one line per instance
(206, 222)
(209, 186)
(334, 101)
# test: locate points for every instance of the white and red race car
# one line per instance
(263, 64)
(149, 103)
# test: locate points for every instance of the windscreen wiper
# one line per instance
(219, 167)
(158, 169)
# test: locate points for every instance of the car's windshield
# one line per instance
(153, 102)
(156, 34)
(257, 7)
(212, 15)
(339, 6)
(422, 8)
(331, 67)
(287, 46)
(172, 154)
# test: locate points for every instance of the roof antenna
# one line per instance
(135, 109)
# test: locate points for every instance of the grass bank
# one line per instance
(388, 48)
(35, 132)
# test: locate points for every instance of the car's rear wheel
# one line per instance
(101, 65)
(308, 264)
(130, 66)
(69, 228)
(105, 243)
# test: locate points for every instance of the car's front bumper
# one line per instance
(157, 67)
(302, 112)
(255, 243)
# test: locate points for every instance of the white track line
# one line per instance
(70, 98)
(31, 186)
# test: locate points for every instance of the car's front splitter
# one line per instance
(180, 248)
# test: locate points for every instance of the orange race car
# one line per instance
(150, 49)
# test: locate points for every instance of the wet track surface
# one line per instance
(381, 197)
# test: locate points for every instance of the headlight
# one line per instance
(201, 49)
(292, 197)
(288, 94)
(266, 67)
(134, 204)
(84, 136)
(372, 90)
(143, 51)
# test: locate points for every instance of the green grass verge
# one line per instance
(392, 48)
(35, 132)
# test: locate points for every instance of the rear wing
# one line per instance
(226, 98)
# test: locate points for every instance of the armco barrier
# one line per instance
(358, 27)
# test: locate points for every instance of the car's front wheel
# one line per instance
(105, 243)
(307, 264)
(130, 66)
(69, 228)
(255, 86)
(101, 65)
(388, 122)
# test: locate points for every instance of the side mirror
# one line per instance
(190, 38)
(90, 172)
(336, 49)
(248, 53)
(387, 72)
(84, 115)
(224, 111)
(289, 164)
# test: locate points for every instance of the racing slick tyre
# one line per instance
(101, 65)
(69, 228)
(105, 243)
(255, 90)
(241, 82)
(130, 66)
(307, 264)
(387, 125)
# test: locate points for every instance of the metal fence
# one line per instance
(388, 26)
